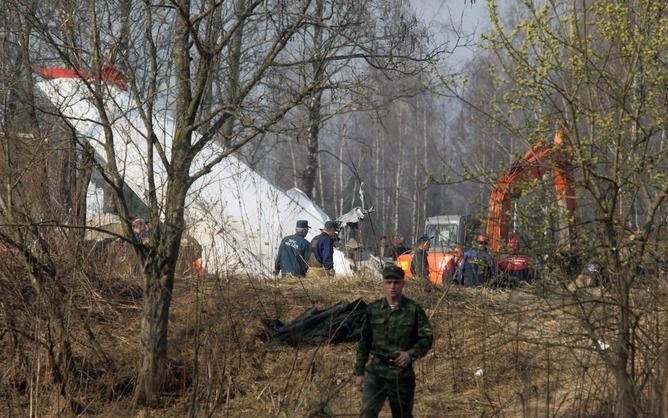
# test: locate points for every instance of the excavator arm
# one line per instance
(548, 155)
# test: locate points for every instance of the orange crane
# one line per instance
(455, 233)
(553, 154)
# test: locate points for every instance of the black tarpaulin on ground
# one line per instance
(338, 323)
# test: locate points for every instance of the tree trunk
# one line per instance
(416, 189)
(623, 364)
(160, 260)
(314, 105)
(663, 404)
(626, 400)
(399, 173)
(53, 295)
(293, 161)
(342, 144)
(377, 178)
(234, 64)
(60, 347)
(80, 192)
(312, 146)
(153, 368)
(425, 163)
(158, 285)
(321, 189)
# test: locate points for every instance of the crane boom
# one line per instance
(553, 154)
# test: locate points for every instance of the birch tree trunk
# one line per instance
(342, 145)
(293, 162)
(321, 188)
(399, 172)
(378, 182)
(416, 173)
(425, 163)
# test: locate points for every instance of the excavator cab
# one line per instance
(452, 234)
(450, 231)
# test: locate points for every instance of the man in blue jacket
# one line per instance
(294, 252)
(478, 266)
(322, 251)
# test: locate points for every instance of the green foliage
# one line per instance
(598, 68)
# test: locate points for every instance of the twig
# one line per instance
(318, 410)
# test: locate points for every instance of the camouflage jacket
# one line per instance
(385, 332)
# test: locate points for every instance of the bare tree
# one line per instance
(174, 51)
(43, 186)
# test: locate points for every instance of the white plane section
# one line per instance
(236, 215)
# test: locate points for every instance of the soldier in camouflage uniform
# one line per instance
(419, 262)
(396, 332)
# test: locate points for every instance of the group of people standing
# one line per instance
(389, 251)
(396, 331)
(474, 267)
(392, 248)
(299, 257)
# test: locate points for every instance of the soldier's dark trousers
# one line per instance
(399, 391)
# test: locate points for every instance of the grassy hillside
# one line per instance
(518, 353)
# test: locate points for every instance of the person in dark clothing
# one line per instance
(419, 263)
(396, 247)
(478, 266)
(383, 248)
(322, 251)
(140, 230)
(452, 265)
(294, 252)
(396, 332)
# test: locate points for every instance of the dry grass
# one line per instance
(532, 357)
(474, 329)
